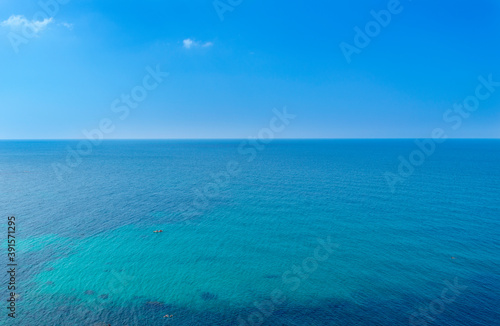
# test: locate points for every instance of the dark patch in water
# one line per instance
(327, 312)
(155, 307)
(271, 276)
(104, 296)
(89, 292)
(207, 296)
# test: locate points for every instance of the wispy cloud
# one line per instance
(189, 43)
(67, 25)
(19, 22)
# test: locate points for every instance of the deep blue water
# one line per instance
(312, 224)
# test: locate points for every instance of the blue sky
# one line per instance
(226, 76)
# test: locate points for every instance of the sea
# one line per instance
(254, 232)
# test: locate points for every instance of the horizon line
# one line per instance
(305, 138)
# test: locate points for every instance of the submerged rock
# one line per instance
(207, 296)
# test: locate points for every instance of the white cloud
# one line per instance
(189, 43)
(19, 22)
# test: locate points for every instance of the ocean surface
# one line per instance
(292, 232)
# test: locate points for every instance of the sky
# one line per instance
(345, 69)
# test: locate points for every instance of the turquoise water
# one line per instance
(313, 219)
